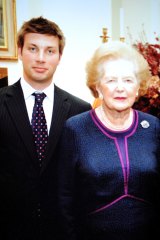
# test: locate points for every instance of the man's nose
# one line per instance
(41, 56)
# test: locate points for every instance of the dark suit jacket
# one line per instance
(28, 195)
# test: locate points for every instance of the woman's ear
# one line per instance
(100, 94)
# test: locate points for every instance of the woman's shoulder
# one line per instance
(147, 116)
(79, 118)
(146, 119)
(78, 123)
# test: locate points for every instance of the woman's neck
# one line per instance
(115, 120)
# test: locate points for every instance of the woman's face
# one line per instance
(119, 86)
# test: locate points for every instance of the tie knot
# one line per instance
(39, 97)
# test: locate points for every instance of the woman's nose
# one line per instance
(120, 85)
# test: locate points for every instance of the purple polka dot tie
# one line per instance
(39, 126)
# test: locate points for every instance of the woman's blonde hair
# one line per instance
(112, 51)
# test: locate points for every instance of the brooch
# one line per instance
(145, 124)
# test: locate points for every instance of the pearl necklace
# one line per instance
(110, 125)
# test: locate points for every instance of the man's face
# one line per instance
(40, 57)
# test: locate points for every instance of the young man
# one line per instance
(27, 179)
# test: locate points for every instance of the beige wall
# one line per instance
(82, 23)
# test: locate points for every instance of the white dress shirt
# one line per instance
(47, 102)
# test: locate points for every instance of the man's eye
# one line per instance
(50, 51)
(32, 49)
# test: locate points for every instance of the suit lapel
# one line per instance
(17, 108)
(60, 112)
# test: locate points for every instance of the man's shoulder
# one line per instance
(9, 88)
(4, 90)
(71, 97)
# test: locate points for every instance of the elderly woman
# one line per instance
(109, 161)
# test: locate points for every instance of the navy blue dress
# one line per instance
(109, 182)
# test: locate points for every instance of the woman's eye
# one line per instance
(111, 80)
(128, 80)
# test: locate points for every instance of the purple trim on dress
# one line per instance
(123, 168)
(98, 123)
(126, 171)
(99, 126)
(127, 161)
(117, 200)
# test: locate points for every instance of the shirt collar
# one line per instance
(28, 90)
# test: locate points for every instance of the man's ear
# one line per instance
(20, 53)
(60, 56)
